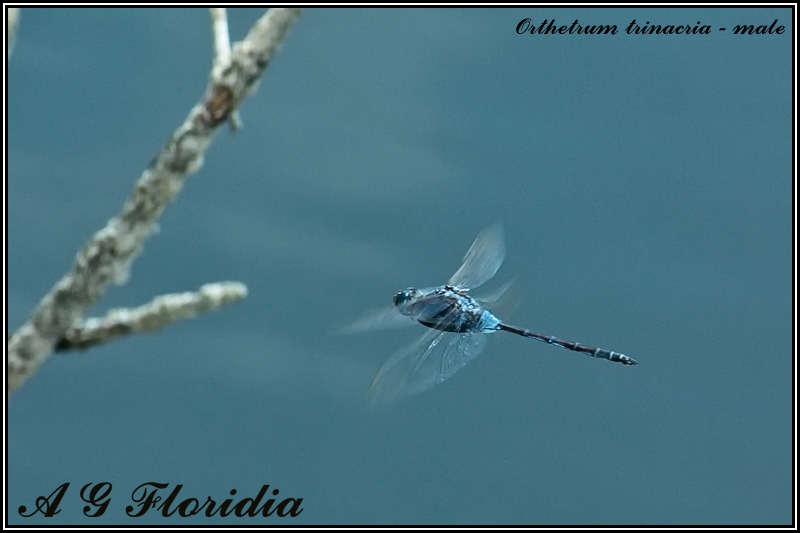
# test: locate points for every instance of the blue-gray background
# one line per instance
(645, 186)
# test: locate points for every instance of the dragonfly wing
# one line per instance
(379, 319)
(495, 296)
(436, 356)
(483, 259)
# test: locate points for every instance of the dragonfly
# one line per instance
(458, 325)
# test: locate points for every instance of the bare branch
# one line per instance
(161, 312)
(222, 53)
(13, 21)
(107, 257)
(222, 41)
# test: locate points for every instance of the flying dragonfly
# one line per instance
(458, 325)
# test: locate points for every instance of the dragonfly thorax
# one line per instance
(446, 308)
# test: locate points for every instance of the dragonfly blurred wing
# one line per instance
(429, 361)
(483, 259)
(379, 319)
(495, 296)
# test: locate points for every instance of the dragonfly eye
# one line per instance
(403, 296)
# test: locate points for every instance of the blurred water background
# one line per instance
(645, 184)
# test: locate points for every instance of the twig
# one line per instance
(13, 21)
(222, 41)
(222, 53)
(107, 257)
(161, 312)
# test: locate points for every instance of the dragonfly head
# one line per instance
(404, 296)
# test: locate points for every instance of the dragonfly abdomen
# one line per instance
(570, 345)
